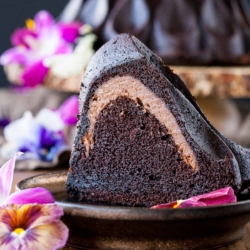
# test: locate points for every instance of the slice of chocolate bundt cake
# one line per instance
(141, 138)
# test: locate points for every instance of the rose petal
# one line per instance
(19, 36)
(43, 21)
(218, 197)
(69, 110)
(49, 236)
(69, 31)
(34, 74)
(14, 55)
(31, 195)
(6, 177)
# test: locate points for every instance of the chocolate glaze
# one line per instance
(125, 55)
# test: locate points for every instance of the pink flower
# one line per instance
(42, 38)
(218, 197)
(69, 110)
(32, 195)
(29, 219)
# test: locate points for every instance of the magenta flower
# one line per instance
(28, 218)
(69, 110)
(32, 195)
(40, 39)
(218, 197)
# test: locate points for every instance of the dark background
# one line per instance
(13, 14)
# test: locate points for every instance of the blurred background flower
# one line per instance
(41, 38)
(43, 136)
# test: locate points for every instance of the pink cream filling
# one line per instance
(132, 88)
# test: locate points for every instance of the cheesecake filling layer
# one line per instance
(133, 89)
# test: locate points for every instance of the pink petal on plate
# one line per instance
(43, 21)
(34, 74)
(18, 37)
(218, 197)
(172, 204)
(221, 196)
(31, 195)
(15, 55)
(69, 110)
(6, 177)
(69, 31)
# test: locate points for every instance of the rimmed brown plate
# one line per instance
(114, 227)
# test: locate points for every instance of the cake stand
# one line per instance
(222, 93)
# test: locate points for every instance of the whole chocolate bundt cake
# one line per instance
(212, 33)
(141, 138)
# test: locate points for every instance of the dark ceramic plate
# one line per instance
(115, 227)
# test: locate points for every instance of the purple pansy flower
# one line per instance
(218, 197)
(41, 137)
(28, 218)
(42, 38)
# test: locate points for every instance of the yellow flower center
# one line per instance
(178, 203)
(30, 24)
(19, 230)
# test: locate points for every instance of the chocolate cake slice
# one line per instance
(141, 138)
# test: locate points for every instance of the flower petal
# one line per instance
(63, 48)
(48, 236)
(39, 214)
(14, 55)
(9, 242)
(41, 225)
(34, 74)
(19, 36)
(218, 197)
(6, 177)
(4, 122)
(29, 215)
(50, 120)
(221, 196)
(31, 195)
(69, 110)
(28, 140)
(69, 31)
(172, 204)
(43, 21)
